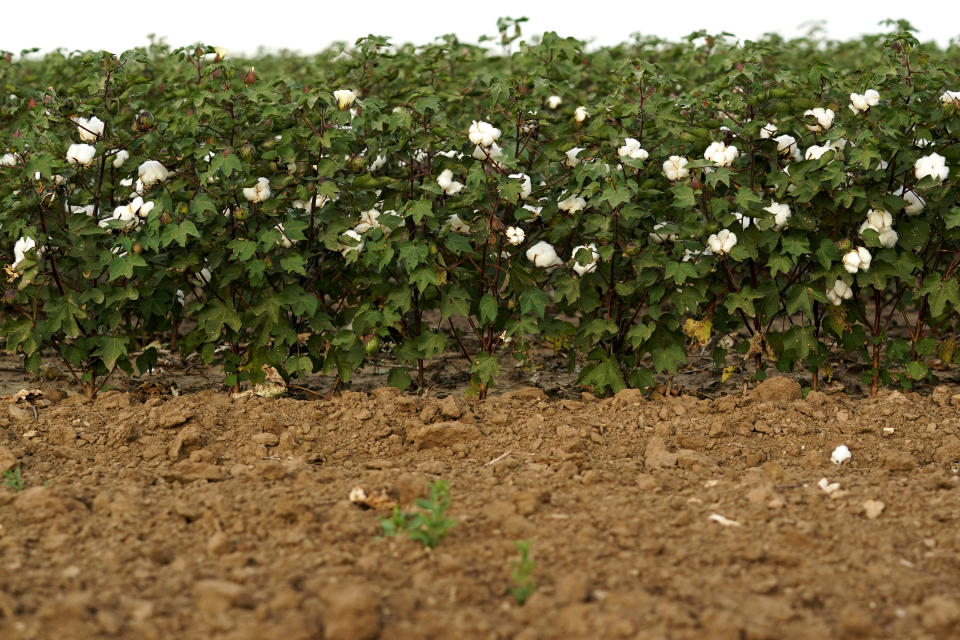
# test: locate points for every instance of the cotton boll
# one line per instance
(356, 245)
(345, 98)
(284, 240)
(543, 255)
(589, 266)
(9, 160)
(20, 249)
(658, 237)
(722, 241)
(862, 103)
(572, 203)
(840, 455)
(515, 235)
(448, 184)
(781, 214)
(675, 168)
(368, 220)
(259, 192)
(768, 130)
(950, 98)
(932, 166)
(377, 164)
(554, 101)
(533, 209)
(572, 160)
(151, 172)
(823, 117)
(786, 144)
(120, 157)
(90, 130)
(721, 155)
(527, 187)
(815, 152)
(487, 153)
(483, 134)
(888, 238)
(631, 149)
(839, 292)
(915, 203)
(81, 154)
(580, 114)
(458, 225)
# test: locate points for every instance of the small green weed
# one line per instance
(13, 480)
(524, 583)
(428, 526)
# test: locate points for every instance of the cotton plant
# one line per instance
(881, 222)
(933, 166)
(129, 215)
(675, 168)
(450, 186)
(259, 192)
(861, 103)
(858, 259)
(787, 147)
(483, 134)
(722, 242)
(543, 255)
(720, 154)
(591, 265)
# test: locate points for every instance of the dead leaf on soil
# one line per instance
(379, 501)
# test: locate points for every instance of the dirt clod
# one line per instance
(778, 389)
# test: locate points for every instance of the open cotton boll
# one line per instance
(781, 214)
(931, 166)
(572, 203)
(258, 192)
(488, 153)
(284, 240)
(120, 157)
(823, 117)
(527, 187)
(720, 154)
(840, 455)
(631, 149)
(345, 98)
(768, 130)
(151, 172)
(448, 184)
(483, 134)
(130, 214)
(543, 255)
(10, 160)
(744, 221)
(786, 144)
(658, 237)
(355, 245)
(81, 154)
(580, 113)
(862, 103)
(722, 241)
(20, 249)
(589, 266)
(572, 160)
(815, 152)
(915, 203)
(369, 219)
(457, 224)
(90, 130)
(839, 292)
(675, 168)
(858, 259)
(515, 235)
(554, 101)
(533, 209)
(950, 98)
(922, 143)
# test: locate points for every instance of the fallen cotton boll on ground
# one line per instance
(840, 455)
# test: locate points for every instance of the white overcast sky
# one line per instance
(243, 26)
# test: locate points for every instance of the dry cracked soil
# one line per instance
(670, 517)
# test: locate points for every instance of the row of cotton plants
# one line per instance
(764, 204)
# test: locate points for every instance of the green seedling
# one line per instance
(428, 526)
(524, 583)
(13, 480)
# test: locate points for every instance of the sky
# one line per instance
(243, 26)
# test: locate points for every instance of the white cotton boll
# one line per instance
(20, 249)
(258, 192)
(824, 118)
(90, 130)
(658, 237)
(284, 240)
(345, 248)
(448, 184)
(865, 258)
(722, 241)
(151, 172)
(851, 261)
(689, 255)
(862, 103)
(554, 101)
(580, 114)
(781, 214)
(839, 292)
(450, 154)
(515, 235)
(768, 130)
(527, 187)
(377, 163)
(932, 166)
(533, 209)
(922, 143)
(721, 155)
(828, 487)
(126, 182)
(786, 144)
(345, 98)
(745, 221)
(9, 160)
(81, 154)
(369, 219)
(915, 203)
(631, 149)
(572, 203)
(840, 455)
(589, 266)
(814, 152)
(675, 168)
(572, 160)
(483, 134)
(487, 153)
(85, 209)
(120, 157)
(950, 98)
(458, 225)
(543, 255)
(888, 238)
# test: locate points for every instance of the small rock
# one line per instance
(941, 395)
(444, 434)
(657, 455)
(266, 439)
(7, 460)
(449, 408)
(778, 389)
(873, 508)
(187, 439)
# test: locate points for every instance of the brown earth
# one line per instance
(208, 516)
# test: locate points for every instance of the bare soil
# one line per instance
(145, 515)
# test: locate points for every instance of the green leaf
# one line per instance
(533, 300)
(111, 349)
(488, 308)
